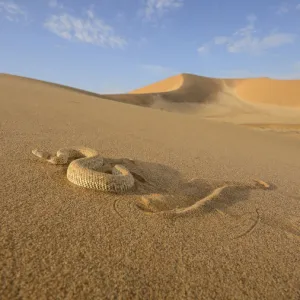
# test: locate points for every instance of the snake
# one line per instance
(87, 169)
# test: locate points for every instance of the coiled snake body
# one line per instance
(87, 169)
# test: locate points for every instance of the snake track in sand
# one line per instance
(87, 169)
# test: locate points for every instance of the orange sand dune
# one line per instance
(239, 101)
(270, 91)
(184, 83)
(183, 88)
(257, 90)
(188, 88)
(166, 85)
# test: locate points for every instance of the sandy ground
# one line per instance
(60, 241)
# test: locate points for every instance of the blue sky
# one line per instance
(111, 46)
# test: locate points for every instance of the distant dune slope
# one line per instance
(183, 88)
(193, 89)
(188, 88)
(269, 91)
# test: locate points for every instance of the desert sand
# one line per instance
(240, 101)
(214, 213)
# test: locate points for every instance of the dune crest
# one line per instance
(184, 88)
(240, 101)
(189, 88)
(253, 90)
(166, 85)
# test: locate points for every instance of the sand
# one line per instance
(60, 241)
(270, 91)
(239, 101)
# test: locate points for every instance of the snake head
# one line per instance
(40, 154)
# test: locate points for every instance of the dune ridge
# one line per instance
(253, 101)
(189, 88)
(256, 90)
(236, 100)
(166, 85)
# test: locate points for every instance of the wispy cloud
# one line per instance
(246, 40)
(203, 49)
(157, 69)
(87, 30)
(286, 7)
(55, 4)
(12, 11)
(220, 40)
(154, 9)
(283, 8)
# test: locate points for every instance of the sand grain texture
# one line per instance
(61, 241)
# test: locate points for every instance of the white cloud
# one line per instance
(246, 40)
(220, 40)
(87, 30)
(157, 69)
(157, 8)
(251, 44)
(203, 49)
(90, 13)
(55, 4)
(12, 11)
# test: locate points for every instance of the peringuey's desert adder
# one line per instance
(85, 169)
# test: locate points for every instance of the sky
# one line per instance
(115, 46)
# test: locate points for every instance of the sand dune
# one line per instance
(188, 88)
(253, 100)
(183, 88)
(269, 91)
(166, 85)
(259, 94)
(258, 103)
(194, 226)
(256, 90)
